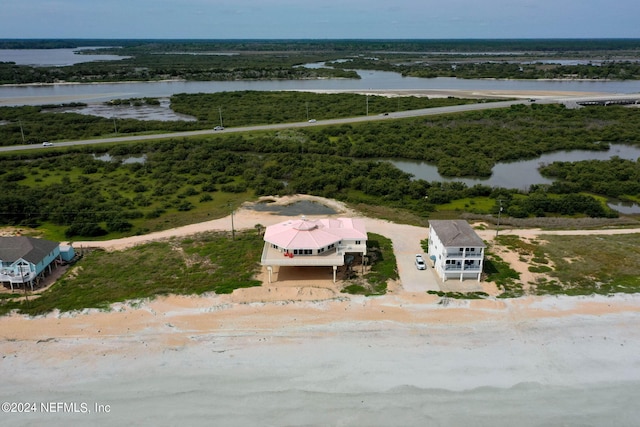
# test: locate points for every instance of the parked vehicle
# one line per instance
(218, 128)
(47, 144)
(420, 264)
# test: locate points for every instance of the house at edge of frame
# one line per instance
(318, 242)
(25, 260)
(455, 249)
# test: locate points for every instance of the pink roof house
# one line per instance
(318, 242)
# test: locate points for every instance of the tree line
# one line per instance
(89, 197)
(34, 124)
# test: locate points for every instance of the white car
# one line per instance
(312, 121)
(47, 144)
(420, 264)
(218, 128)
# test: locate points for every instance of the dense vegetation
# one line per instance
(149, 67)
(383, 268)
(462, 46)
(206, 60)
(178, 181)
(34, 124)
(622, 176)
(564, 46)
(252, 107)
(501, 69)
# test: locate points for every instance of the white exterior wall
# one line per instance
(436, 250)
(351, 246)
(457, 267)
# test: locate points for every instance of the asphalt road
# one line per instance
(360, 119)
(396, 115)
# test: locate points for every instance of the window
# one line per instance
(357, 242)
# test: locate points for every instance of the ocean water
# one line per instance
(230, 401)
(577, 371)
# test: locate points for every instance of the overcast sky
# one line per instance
(221, 19)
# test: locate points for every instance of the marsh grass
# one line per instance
(477, 205)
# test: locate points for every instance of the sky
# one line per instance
(319, 19)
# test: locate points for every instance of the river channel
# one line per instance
(519, 175)
(369, 80)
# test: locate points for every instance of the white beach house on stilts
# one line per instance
(318, 242)
(456, 251)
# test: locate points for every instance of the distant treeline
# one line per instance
(34, 124)
(341, 45)
(201, 60)
(503, 69)
(147, 66)
(75, 191)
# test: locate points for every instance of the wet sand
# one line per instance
(395, 360)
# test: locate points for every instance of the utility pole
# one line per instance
(21, 130)
(499, 212)
(367, 102)
(307, 104)
(115, 127)
(233, 230)
(220, 113)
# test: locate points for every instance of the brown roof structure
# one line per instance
(456, 232)
(29, 249)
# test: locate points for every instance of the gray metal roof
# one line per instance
(456, 232)
(28, 248)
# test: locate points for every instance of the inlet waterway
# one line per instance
(519, 175)
(522, 174)
(369, 80)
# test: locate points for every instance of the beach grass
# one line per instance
(383, 268)
(506, 278)
(209, 262)
(591, 264)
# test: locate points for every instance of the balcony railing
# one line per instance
(272, 256)
(469, 268)
(464, 254)
(16, 278)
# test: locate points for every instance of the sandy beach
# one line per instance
(301, 353)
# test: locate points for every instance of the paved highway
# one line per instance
(394, 115)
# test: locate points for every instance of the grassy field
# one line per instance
(479, 205)
(210, 262)
(585, 265)
(574, 265)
